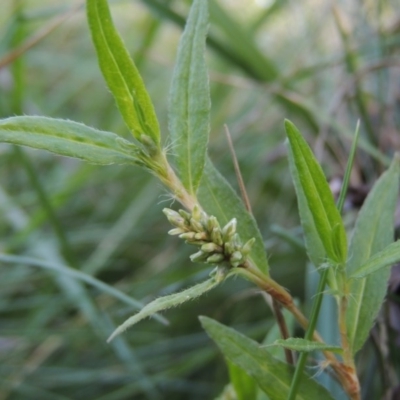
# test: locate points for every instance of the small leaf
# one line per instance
(299, 344)
(67, 138)
(273, 376)
(218, 198)
(385, 258)
(171, 300)
(318, 196)
(373, 232)
(189, 114)
(121, 74)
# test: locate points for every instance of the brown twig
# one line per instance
(239, 177)
(280, 319)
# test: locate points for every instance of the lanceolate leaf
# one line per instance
(314, 246)
(121, 74)
(218, 198)
(273, 376)
(385, 258)
(320, 202)
(190, 99)
(67, 138)
(373, 232)
(170, 301)
(299, 344)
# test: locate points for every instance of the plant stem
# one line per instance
(173, 183)
(309, 335)
(283, 329)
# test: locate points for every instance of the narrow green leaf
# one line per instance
(314, 246)
(121, 74)
(218, 198)
(299, 344)
(386, 258)
(318, 196)
(273, 376)
(67, 138)
(374, 231)
(172, 300)
(245, 386)
(189, 116)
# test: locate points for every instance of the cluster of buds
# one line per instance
(216, 245)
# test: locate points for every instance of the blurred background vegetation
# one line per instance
(322, 66)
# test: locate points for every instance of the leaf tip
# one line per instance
(204, 321)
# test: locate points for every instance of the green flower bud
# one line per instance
(174, 218)
(248, 246)
(216, 236)
(215, 259)
(236, 256)
(197, 242)
(189, 236)
(212, 223)
(176, 231)
(196, 225)
(211, 248)
(201, 236)
(199, 256)
(196, 213)
(236, 259)
(229, 249)
(185, 215)
(229, 229)
(235, 241)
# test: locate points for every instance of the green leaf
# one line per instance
(273, 376)
(385, 258)
(314, 246)
(299, 344)
(67, 138)
(318, 196)
(172, 300)
(374, 231)
(218, 198)
(121, 74)
(244, 385)
(189, 116)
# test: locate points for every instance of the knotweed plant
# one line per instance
(214, 221)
